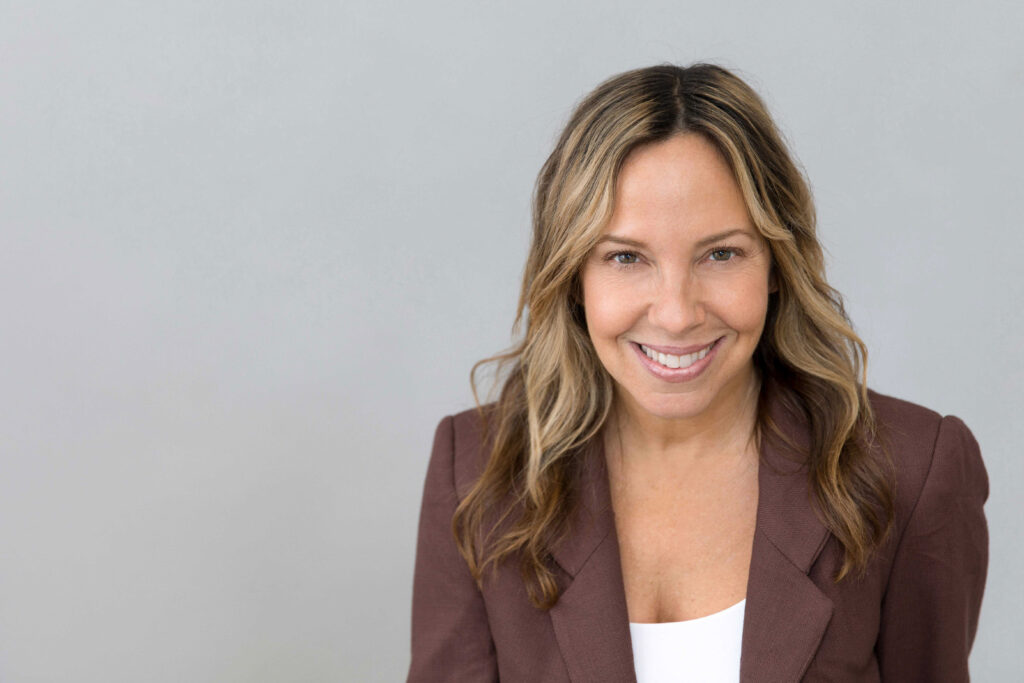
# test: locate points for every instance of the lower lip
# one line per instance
(677, 374)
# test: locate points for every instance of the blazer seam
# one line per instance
(479, 588)
(784, 554)
(455, 488)
(913, 509)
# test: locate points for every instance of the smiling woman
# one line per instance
(686, 476)
(691, 302)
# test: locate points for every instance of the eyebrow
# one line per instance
(700, 243)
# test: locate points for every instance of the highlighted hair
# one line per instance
(556, 395)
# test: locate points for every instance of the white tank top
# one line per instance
(704, 649)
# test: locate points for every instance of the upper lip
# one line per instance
(678, 350)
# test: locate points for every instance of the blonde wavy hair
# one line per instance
(555, 393)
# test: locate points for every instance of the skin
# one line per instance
(682, 465)
(675, 291)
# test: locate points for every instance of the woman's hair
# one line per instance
(557, 395)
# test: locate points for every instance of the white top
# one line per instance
(704, 649)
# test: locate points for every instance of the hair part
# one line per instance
(556, 395)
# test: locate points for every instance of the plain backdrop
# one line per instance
(249, 252)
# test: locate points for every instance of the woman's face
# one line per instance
(680, 273)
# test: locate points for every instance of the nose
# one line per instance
(678, 304)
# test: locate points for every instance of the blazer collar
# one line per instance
(785, 614)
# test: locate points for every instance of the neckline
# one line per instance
(719, 613)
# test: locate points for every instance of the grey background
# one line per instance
(249, 252)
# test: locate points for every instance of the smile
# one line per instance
(670, 361)
(673, 368)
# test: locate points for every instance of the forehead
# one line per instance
(682, 181)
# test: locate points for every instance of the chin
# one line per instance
(668, 407)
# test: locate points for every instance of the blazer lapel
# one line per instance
(590, 619)
(786, 614)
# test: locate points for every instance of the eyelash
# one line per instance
(612, 256)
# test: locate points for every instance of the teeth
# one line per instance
(671, 361)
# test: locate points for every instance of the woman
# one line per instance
(685, 476)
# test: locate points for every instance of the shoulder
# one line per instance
(937, 560)
(915, 434)
(907, 433)
(909, 418)
(459, 438)
(928, 451)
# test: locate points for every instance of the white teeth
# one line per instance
(671, 361)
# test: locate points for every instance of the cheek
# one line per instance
(749, 306)
(742, 302)
(608, 308)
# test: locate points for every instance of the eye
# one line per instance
(722, 254)
(623, 258)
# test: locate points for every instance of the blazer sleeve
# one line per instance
(451, 639)
(933, 598)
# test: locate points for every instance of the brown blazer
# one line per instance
(912, 617)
